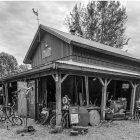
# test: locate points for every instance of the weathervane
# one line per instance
(36, 13)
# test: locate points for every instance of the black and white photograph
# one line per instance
(70, 70)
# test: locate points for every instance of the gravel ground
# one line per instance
(118, 130)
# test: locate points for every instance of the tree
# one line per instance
(22, 68)
(8, 64)
(100, 21)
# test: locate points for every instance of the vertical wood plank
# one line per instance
(87, 89)
(22, 102)
(58, 99)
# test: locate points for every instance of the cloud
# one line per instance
(18, 23)
(133, 26)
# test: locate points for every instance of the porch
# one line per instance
(84, 84)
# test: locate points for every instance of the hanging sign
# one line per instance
(125, 86)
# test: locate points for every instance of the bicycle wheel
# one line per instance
(8, 111)
(17, 120)
(53, 121)
(2, 116)
(63, 122)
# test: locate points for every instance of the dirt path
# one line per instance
(119, 130)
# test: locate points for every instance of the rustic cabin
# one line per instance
(88, 72)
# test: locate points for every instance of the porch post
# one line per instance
(104, 91)
(3, 93)
(87, 89)
(58, 99)
(6, 94)
(133, 95)
(36, 100)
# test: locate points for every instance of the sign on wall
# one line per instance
(46, 52)
(74, 118)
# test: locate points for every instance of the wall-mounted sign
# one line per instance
(125, 86)
(74, 119)
(46, 52)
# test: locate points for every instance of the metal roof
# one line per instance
(74, 66)
(73, 39)
(122, 71)
(28, 73)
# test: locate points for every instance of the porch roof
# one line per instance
(101, 69)
(29, 74)
(75, 67)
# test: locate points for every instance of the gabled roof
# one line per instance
(73, 39)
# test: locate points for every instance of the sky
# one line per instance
(18, 24)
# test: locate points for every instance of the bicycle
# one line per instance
(43, 116)
(65, 113)
(7, 113)
(64, 120)
(46, 113)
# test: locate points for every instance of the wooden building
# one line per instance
(86, 71)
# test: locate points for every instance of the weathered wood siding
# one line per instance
(22, 103)
(98, 58)
(31, 100)
(59, 50)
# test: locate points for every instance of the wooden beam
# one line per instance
(104, 95)
(62, 80)
(87, 89)
(58, 100)
(132, 84)
(6, 94)
(53, 76)
(101, 81)
(114, 86)
(108, 81)
(133, 96)
(3, 93)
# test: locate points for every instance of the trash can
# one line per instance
(83, 116)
